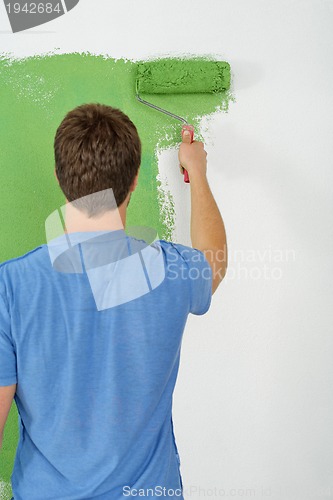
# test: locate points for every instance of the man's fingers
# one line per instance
(187, 137)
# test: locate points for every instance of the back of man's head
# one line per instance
(96, 148)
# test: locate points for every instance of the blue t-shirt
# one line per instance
(91, 325)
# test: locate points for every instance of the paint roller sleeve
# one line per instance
(170, 76)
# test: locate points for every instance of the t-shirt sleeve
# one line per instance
(8, 372)
(199, 277)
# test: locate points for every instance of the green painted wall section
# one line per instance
(35, 94)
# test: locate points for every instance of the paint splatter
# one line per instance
(5, 490)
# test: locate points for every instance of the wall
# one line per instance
(253, 404)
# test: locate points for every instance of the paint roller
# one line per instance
(177, 76)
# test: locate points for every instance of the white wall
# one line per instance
(254, 402)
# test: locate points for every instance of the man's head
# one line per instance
(97, 147)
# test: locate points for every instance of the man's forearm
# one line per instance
(207, 227)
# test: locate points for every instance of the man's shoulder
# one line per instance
(15, 261)
(183, 252)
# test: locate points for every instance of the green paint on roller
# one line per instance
(172, 76)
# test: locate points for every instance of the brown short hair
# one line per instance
(96, 147)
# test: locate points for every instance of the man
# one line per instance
(91, 324)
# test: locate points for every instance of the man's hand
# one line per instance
(192, 157)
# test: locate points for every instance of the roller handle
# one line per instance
(190, 128)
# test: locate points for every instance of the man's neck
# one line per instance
(77, 221)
